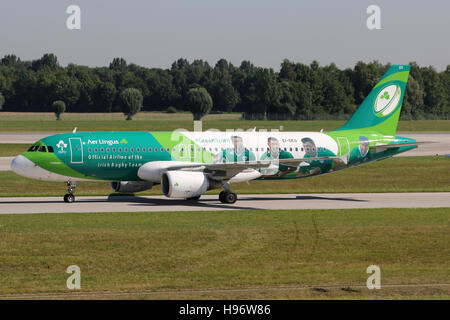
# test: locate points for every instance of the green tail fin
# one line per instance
(380, 110)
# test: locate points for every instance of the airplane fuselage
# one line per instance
(118, 156)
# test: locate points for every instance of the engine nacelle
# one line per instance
(131, 186)
(184, 184)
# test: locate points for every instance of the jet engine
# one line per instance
(131, 186)
(185, 184)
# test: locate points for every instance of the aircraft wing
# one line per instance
(240, 166)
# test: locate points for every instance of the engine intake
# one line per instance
(184, 184)
(131, 186)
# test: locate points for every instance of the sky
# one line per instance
(154, 33)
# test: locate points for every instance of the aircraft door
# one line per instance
(76, 150)
(344, 146)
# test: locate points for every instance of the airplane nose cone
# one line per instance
(22, 166)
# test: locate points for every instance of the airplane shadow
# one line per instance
(203, 203)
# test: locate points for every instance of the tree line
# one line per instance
(297, 91)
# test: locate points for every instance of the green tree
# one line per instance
(48, 61)
(118, 64)
(10, 60)
(59, 107)
(199, 101)
(335, 100)
(413, 100)
(305, 109)
(67, 89)
(131, 102)
(2, 101)
(104, 96)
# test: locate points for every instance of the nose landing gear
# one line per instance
(227, 196)
(69, 197)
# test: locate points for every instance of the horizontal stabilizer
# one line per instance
(382, 147)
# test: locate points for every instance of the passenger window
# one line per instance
(162, 149)
(95, 150)
(120, 149)
(42, 149)
(107, 149)
(143, 149)
(138, 150)
(131, 149)
(90, 150)
(156, 149)
(102, 150)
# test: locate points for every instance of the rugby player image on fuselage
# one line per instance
(307, 169)
(238, 154)
(360, 153)
(317, 166)
(274, 152)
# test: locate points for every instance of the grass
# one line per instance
(158, 121)
(405, 174)
(12, 149)
(265, 250)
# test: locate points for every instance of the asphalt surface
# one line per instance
(25, 205)
(440, 145)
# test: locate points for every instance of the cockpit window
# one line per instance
(42, 149)
(33, 148)
(50, 149)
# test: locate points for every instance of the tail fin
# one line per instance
(380, 110)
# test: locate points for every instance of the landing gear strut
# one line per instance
(69, 197)
(227, 196)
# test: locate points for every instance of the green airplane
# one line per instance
(188, 164)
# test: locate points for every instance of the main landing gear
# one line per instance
(227, 196)
(69, 197)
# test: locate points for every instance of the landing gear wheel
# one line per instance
(194, 198)
(227, 197)
(69, 198)
(222, 196)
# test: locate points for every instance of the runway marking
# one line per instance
(210, 290)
